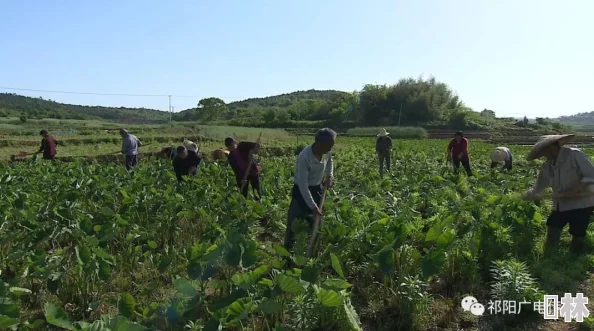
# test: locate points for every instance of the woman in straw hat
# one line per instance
(383, 147)
(570, 173)
(501, 154)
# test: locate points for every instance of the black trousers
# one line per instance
(578, 220)
(252, 180)
(131, 161)
(299, 210)
(465, 164)
(506, 166)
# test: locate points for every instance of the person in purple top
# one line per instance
(238, 159)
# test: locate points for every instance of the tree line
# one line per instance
(410, 102)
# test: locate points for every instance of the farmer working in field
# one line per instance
(383, 147)
(190, 145)
(458, 152)
(48, 146)
(307, 189)
(501, 154)
(130, 146)
(239, 156)
(570, 173)
(185, 163)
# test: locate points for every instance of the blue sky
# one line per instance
(514, 57)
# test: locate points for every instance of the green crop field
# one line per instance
(93, 247)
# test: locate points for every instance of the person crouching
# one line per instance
(501, 154)
(185, 163)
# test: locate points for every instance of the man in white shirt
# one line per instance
(570, 173)
(501, 154)
(307, 189)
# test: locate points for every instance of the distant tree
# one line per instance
(488, 113)
(525, 121)
(211, 108)
(541, 121)
(23, 119)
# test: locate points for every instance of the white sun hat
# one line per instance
(383, 133)
(498, 155)
(546, 141)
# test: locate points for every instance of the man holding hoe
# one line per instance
(383, 147)
(458, 152)
(570, 173)
(239, 159)
(48, 146)
(130, 146)
(307, 189)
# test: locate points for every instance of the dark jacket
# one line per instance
(187, 166)
(238, 159)
(383, 144)
(48, 147)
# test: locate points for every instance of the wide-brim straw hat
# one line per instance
(498, 155)
(546, 141)
(383, 133)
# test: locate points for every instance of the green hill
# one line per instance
(18, 105)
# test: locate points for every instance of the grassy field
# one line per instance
(89, 246)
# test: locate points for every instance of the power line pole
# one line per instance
(400, 114)
(169, 108)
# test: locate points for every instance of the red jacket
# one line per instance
(48, 147)
(456, 148)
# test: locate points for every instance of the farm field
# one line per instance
(92, 247)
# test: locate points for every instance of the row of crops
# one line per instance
(92, 247)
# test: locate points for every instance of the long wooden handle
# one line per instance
(316, 226)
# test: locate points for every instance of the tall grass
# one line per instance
(402, 132)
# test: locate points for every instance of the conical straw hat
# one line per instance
(546, 141)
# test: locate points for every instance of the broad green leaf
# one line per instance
(493, 199)
(386, 259)
(126, 305)
(121, 323)
(8, 322)
(185, 287)
(336, 284)
(280, 250)
(336, 265)
(240, 309)
(56, 316)
(329, 298)
(434, 232)
(103, 270)
(289, 284)
(19, 291)
(152, 244)
(432, 262)
(83, 255)
(269, 306)
(310, 274)
(537, 217)
(445, 239)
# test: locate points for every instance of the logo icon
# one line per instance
(467, 302)
(477, 309)
(471, 304)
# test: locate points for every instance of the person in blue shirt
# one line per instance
(130, 144)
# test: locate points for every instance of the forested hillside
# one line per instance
(22, 106)
(581, 120)
(410, 102)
